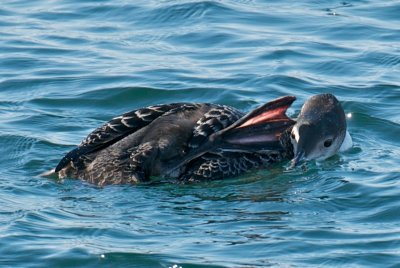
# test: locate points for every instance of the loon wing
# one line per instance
(261, 128)
(216, 119)
(214, 167)
(258, 131)
(118, 128)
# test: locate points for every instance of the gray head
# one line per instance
(320, 129)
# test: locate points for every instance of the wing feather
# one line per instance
(217, 118)
(116, 129)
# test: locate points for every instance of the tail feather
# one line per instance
(49, 173)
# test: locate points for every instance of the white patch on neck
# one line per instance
(295, 131)
(347, 143)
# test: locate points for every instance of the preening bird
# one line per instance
(202, 141)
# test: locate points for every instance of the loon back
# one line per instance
(181, 140)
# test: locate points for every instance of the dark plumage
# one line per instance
(185, 141)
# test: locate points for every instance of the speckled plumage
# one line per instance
(173, 141)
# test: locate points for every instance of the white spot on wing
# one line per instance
(113, 127)
(124, 121)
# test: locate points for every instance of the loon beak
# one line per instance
(297, 159)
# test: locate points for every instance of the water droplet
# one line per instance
(175, 266)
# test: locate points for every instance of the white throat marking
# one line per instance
(347, 143)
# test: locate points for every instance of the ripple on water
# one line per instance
(68, 66)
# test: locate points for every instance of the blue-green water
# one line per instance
(67, 66)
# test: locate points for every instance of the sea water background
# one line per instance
(67, 66)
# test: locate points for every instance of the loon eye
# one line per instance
(328, 143)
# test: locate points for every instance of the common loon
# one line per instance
(193, 142)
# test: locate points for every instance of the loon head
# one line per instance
(320, 129)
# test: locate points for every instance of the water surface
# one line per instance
(67, 66)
